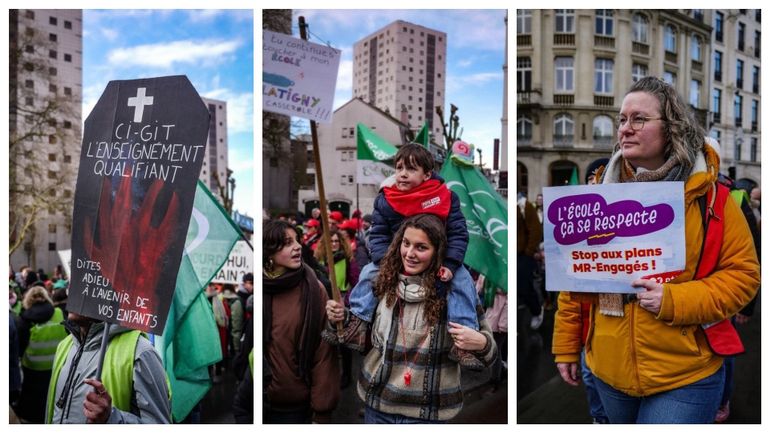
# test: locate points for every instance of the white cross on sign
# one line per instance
(138, 102)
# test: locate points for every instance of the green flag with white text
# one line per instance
(372, 155)
(486, 214)
(190, 342)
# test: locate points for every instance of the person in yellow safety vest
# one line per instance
(346, 272)
(133, 388)
(40, 331)
(243, 404)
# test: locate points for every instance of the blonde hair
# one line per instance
(684, 136)
(36, 295)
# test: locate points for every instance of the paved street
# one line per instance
(544, 398)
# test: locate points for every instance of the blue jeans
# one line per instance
(594, 401)
(696, 403)
(373, 416)
(461, 299)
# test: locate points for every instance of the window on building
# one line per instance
(755, 79)
(52, 37)
(638, 71)
(29, 49)
(758, 15)
(30, 15)
(51, 174)
(52, 157)
(67, 124)
(719, 22)
(669, 77)
(640, 28)
(738, 110)
(565, 73)
(757, 43)
(739, 74)
(716, 105)
(737, 149)
(67, 159)
(51, 245)
(741, 36)
(52, 139)
(68, 57)
(717, 65)
(67, 193)
(52, 88)
(697, 14)
(28, 100)
(603, 129)
(565, 20)
(603, 76)
(52, 227)
(669, 38)
(694, 92)
(29, 84)
(29, 67)
(753, 149)
(524, 128)
(344, 179)
(52, 54)
(563, 126)
(604, 22)
(53, 21)
(695, 48)
(754, 115)
(68, 25)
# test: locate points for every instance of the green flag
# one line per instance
(190, 342)
(573, 180)
(486, 214)
(372, 153)
(423, 137)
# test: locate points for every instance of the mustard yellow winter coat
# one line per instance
(642, 354)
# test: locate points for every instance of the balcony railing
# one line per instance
(640, 48)
(755, 87)
(563, 99)
(754, 126)
(717, 75)
(697, 66)
(523, 140)
(603, 142)
(604, 41)
(528, 97)
(604, 101)
(670, 57)
(564, 39)
(738, 121)
(524, 40)
(717, 117)
(739, 83)
(563, 140)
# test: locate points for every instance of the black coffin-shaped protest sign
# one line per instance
(143, 147)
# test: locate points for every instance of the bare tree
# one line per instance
(40, 173)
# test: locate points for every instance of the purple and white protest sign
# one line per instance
(600, 238)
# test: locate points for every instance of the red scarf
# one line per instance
(431, 196)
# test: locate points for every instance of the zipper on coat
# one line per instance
(632, 313)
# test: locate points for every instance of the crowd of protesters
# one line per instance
(50, 347)
(302, 376)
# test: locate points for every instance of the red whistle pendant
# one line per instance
(407, 378)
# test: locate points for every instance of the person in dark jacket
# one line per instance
(40, 330)
(417, 189)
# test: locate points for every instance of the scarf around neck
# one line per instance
(431, 196)
(410, 288)
(310, 314)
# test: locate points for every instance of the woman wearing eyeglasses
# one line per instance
(649, 353)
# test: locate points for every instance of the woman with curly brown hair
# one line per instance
(408, 377)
